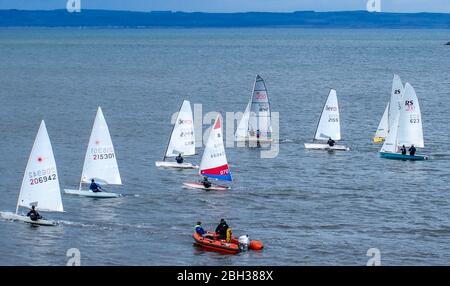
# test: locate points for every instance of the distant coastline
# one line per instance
(304, 19)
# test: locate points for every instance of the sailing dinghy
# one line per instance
(391, 110)
(40, 184)
(100, 161)
(182, 139)
(256, 117)
(328, 126)
(406, 129)
(214, 161)
(383, 127)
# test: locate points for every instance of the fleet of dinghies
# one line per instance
(400, 127)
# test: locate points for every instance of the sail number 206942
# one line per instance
(42, 179)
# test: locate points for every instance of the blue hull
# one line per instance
(397, 156)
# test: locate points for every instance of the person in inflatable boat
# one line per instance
(221, 229)
(199, 229)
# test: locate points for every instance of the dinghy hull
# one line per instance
(317, 146)
(16, 217)
(91, 194)
(397, 156)
(254, 140)
(175, 165)
(193, 185)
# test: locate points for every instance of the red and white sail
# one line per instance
(214, 161)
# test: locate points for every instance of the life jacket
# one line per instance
(229, 233)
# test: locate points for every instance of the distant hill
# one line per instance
(106, 18)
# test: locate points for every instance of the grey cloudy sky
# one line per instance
(235, 5)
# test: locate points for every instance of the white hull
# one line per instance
(253, 140)
(318, 146)
(13, 216)
(91, 194)
(200, 186)
(175, 165)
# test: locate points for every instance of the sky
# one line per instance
(406, 6)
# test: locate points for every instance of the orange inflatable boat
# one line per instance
(211, 242)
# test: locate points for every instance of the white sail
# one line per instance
(214, 161)
(40, 184)
(329, 123)
(396, 99)
(242, 129)
(182, 139)
(260, 116)
(391, 142)
(100, 162)
(410, 121)
(383, 127)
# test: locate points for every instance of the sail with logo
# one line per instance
(406, 132)
(328, 129)
(255, 124)
(214, 163)
(182, 140)
(100, 163)
(40, 184)
(391, 110)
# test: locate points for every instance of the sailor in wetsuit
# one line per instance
(412, 150)
(331, 142)
(94, 187)
(403, 150)
(179, 159)
(33, 214)
(206, 183)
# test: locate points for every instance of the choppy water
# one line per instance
(309, 208)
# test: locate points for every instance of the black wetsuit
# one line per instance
(221, 230)
(179, 159)
(403, 149)
(331, 142)
(412, 150)
(34, 215)
(206, 183)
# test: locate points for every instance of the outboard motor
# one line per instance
(244, 242)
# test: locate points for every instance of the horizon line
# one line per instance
(236, 12)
